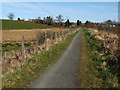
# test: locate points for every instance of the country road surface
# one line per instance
(62, 73)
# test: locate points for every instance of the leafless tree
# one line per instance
(59, 18)
(11, 16)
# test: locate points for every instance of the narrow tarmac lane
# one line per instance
(62, 73)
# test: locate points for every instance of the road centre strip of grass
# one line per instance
(39, 62)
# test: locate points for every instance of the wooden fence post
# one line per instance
(5, 54)
(63, 32)
(37, 40)
(45, 35)
(51, 36)
(59, 35)
(56, 36)
(23, 48)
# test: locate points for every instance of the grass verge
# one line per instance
(33, 69)
(87, 75)
(93, 72)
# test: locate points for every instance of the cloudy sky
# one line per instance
(92, 11)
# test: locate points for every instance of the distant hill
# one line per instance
(13, 24)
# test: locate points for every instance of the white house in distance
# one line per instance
(109, 23)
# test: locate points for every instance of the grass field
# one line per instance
(15, 30)
(12, 24)
(17, 35)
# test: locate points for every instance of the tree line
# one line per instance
(58, 21)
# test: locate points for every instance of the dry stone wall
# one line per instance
(44, 41)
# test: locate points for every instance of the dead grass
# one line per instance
(28, 34)
(87, 74)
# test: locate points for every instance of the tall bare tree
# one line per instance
(59, 18)
(11, 16)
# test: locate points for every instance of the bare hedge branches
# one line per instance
(44, 41)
